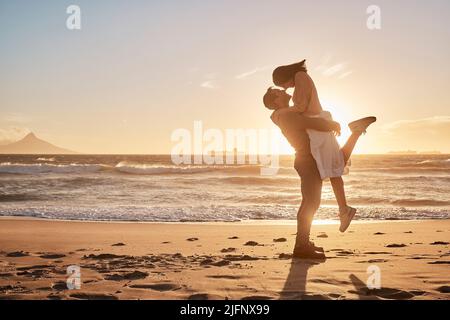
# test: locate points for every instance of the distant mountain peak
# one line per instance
(31, 144)
(29, 136)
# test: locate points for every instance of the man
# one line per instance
(293, 125)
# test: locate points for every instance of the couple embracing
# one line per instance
(312, 132)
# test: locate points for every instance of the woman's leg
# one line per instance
(347, 149)
(339, 191)
(338, 183)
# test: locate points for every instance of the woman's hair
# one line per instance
(283, 74)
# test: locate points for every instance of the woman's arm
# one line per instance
(303, 91)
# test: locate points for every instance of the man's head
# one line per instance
(275, 99)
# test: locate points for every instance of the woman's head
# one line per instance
(284, 76)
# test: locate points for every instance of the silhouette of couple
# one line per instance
(312, 132)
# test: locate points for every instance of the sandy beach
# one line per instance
(248, 260)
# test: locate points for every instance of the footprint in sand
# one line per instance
(377, 252)
(280, 240)
(119, 244)
(322, 235)
(17, 254)
(211, 262)
(52, 256)
(135, 275)
(344, 253)
(225, 276)
(396, 245)
(285, 256)
(103, 256)
(439, 243)
(244, 257)
(374, 261)
(444, 289)
(205, 296)
(192, 239)
(439, 262)
(257, 298)
(59, 286)
(157, 286)
(93, 296)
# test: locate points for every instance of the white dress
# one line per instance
(326, 151)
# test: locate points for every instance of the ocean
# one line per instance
(151, 188)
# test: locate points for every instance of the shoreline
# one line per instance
(280, 222)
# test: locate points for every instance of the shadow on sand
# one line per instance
(295, 285)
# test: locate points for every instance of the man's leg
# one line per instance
(311, 185)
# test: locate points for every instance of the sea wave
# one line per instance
(39, 168)
(46, 159)
(434, 162)
(156, 169)
(151, 169)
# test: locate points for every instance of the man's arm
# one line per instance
(319, 124)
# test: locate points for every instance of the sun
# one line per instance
(340, 115)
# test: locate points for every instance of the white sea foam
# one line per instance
(45, 159)
(150, 169)
(39, 168)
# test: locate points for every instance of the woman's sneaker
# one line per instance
(361, 125)
(346, 216)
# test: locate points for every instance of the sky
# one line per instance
(138, 70)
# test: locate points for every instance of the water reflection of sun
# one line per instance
(340, 115)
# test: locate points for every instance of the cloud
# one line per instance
(329, 69)
(345, 75)
(15, 118)
(209, 84)
(12, 134)
(247, 74)
(210, 81)
(424, 134)
(434, 125)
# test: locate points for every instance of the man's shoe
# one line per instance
(316, 248)
(308, 252)
(361, 125)
(346, 217)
